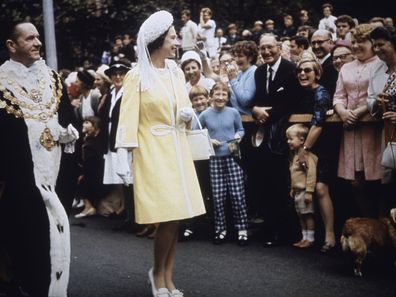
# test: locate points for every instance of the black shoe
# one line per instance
(219, 238)
(187, 235)
(243, 240)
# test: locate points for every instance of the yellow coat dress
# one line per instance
(166, 187)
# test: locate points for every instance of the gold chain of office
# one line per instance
(43, 116)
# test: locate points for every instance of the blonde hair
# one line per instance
(362, 32)
(206, 10)
(298, 129)
(220, 86)
(198, 90)
(315, 65)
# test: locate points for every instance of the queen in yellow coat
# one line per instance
(155, 111)
(165, 183)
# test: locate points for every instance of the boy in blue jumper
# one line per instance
(224, 125)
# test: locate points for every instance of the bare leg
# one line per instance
(164, 254)
(327, 211)
(309, 222)
(170, 261)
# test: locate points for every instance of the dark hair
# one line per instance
(94, 120)
(300, 41)
(186, 12)
(345, 19)
(387, 32)
(327, 5)
(247, 48)
(157, 43)
(184, 64)
(308, 28)
(9, 31)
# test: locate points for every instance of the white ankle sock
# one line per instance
(242, 232)
(311, 235)
(304, 234)
(222, 234)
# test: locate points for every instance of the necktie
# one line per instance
(269, 81)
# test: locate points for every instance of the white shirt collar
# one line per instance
(324, 58)
(275, 67)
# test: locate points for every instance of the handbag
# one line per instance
(388, 156)
(199, 142)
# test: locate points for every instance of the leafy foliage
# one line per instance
(84, 28)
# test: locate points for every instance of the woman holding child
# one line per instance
(317, 101)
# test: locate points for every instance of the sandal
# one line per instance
(327, 247)
(306, 244)
(298, 243)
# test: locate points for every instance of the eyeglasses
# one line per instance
(306, 70)
(341, 57)
(319, 42)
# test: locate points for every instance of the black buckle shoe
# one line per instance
(219, 238)
(243, 240)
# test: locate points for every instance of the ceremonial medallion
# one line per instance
(47, 140)
(35, 95)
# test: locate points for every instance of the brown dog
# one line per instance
(359, 235)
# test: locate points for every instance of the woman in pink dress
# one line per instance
(360, 150)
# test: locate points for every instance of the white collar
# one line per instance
(275, 66)
(324, 58)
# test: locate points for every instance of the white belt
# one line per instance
(162, 129)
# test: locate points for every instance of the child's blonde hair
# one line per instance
(298, 129)
(220, 86)
(198, 91)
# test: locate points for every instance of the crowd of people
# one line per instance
(299, 118)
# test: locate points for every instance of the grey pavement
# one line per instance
(108, 263)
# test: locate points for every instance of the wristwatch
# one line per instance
(305, 148)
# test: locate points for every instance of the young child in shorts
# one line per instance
(303, 181)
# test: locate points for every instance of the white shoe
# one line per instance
(75, 202)
(161, 292)
(89, 213)
(176, 293)
(80, 204)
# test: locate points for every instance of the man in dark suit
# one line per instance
(277, 94)
(322, 44)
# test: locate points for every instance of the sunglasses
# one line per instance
(319, 42)
(306, 70)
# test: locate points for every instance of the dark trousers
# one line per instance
(250, 156)
(272, 179)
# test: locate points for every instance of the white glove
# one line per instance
(123, 167)
(186, 114)
(68, 136)
(238, 137)
(393, 214)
